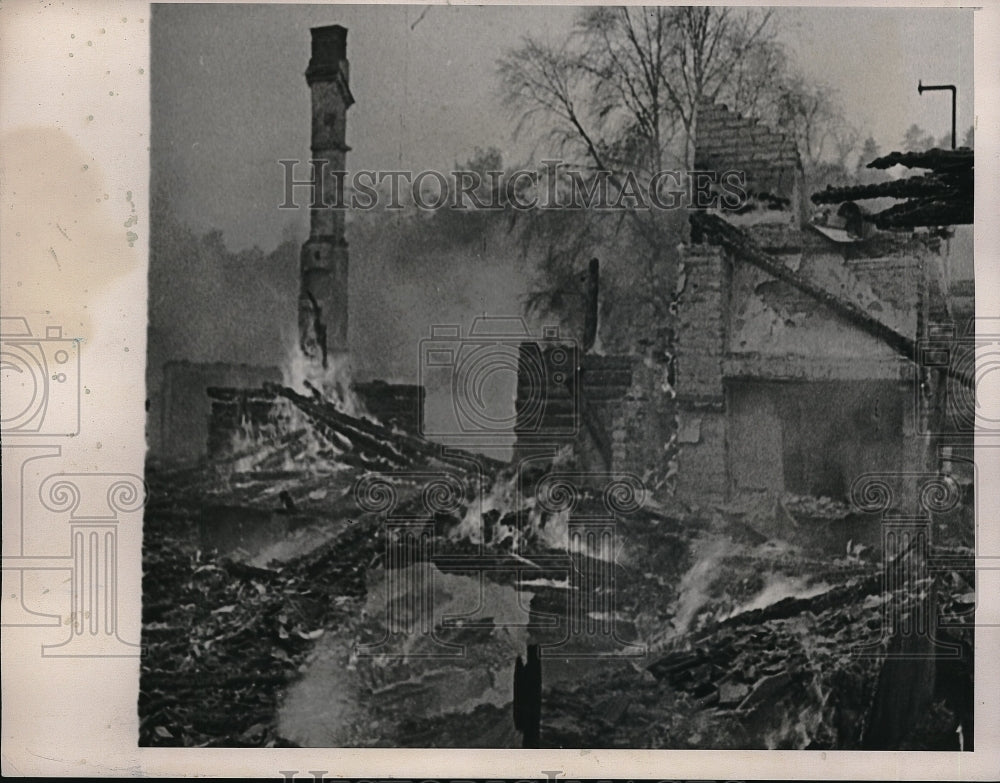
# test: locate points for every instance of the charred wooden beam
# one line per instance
(927, 212)
(397, 448)
(592, 311)
(743, 246)
(931, 185)
(528, 697)
(935, 159)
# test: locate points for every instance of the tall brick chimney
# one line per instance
(323, 291)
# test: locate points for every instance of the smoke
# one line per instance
(694, 591)
(778, 587)
(706, 590)
(409, 270)
(209, 304)
(412, 270)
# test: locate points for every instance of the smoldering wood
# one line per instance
(748, 598)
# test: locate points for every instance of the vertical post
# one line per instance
(921, 87)
(591, 315)
(528, 698)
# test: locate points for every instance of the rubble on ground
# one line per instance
(723, 634)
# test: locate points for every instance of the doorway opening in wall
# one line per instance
(811, 437)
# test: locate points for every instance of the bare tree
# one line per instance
(813, 115)
(807, 112)
(628, 81)
(620, 96)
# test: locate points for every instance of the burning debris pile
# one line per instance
(223, 639)
(806, 671)
(336, 582)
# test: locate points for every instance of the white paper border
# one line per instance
(78, 716)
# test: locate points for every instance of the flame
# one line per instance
(550, 530)
(245, 445)
(698, 595)
(501, 498)
(693, 590)
(288, 441)
(779, 587)
(553, 530)
(300, 372)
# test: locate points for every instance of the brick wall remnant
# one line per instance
(728, 141)
(619, 416)
(792, 350)
(186, 407)
(700, 349)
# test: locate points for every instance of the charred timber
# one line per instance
(396, 447)
(930, 186)
(742, 245)
(926, 212)
(934, 159)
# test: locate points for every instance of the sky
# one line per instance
(229, 98)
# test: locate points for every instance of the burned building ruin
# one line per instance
(794, 353)
(797, 340)
(249, 411)
(797, 350)
(675, 541)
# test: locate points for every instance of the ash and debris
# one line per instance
(264, 578)
(290, 600)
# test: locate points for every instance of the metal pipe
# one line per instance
(921, 87)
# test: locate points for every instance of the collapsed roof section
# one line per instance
(742, 245)
(942, 197)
